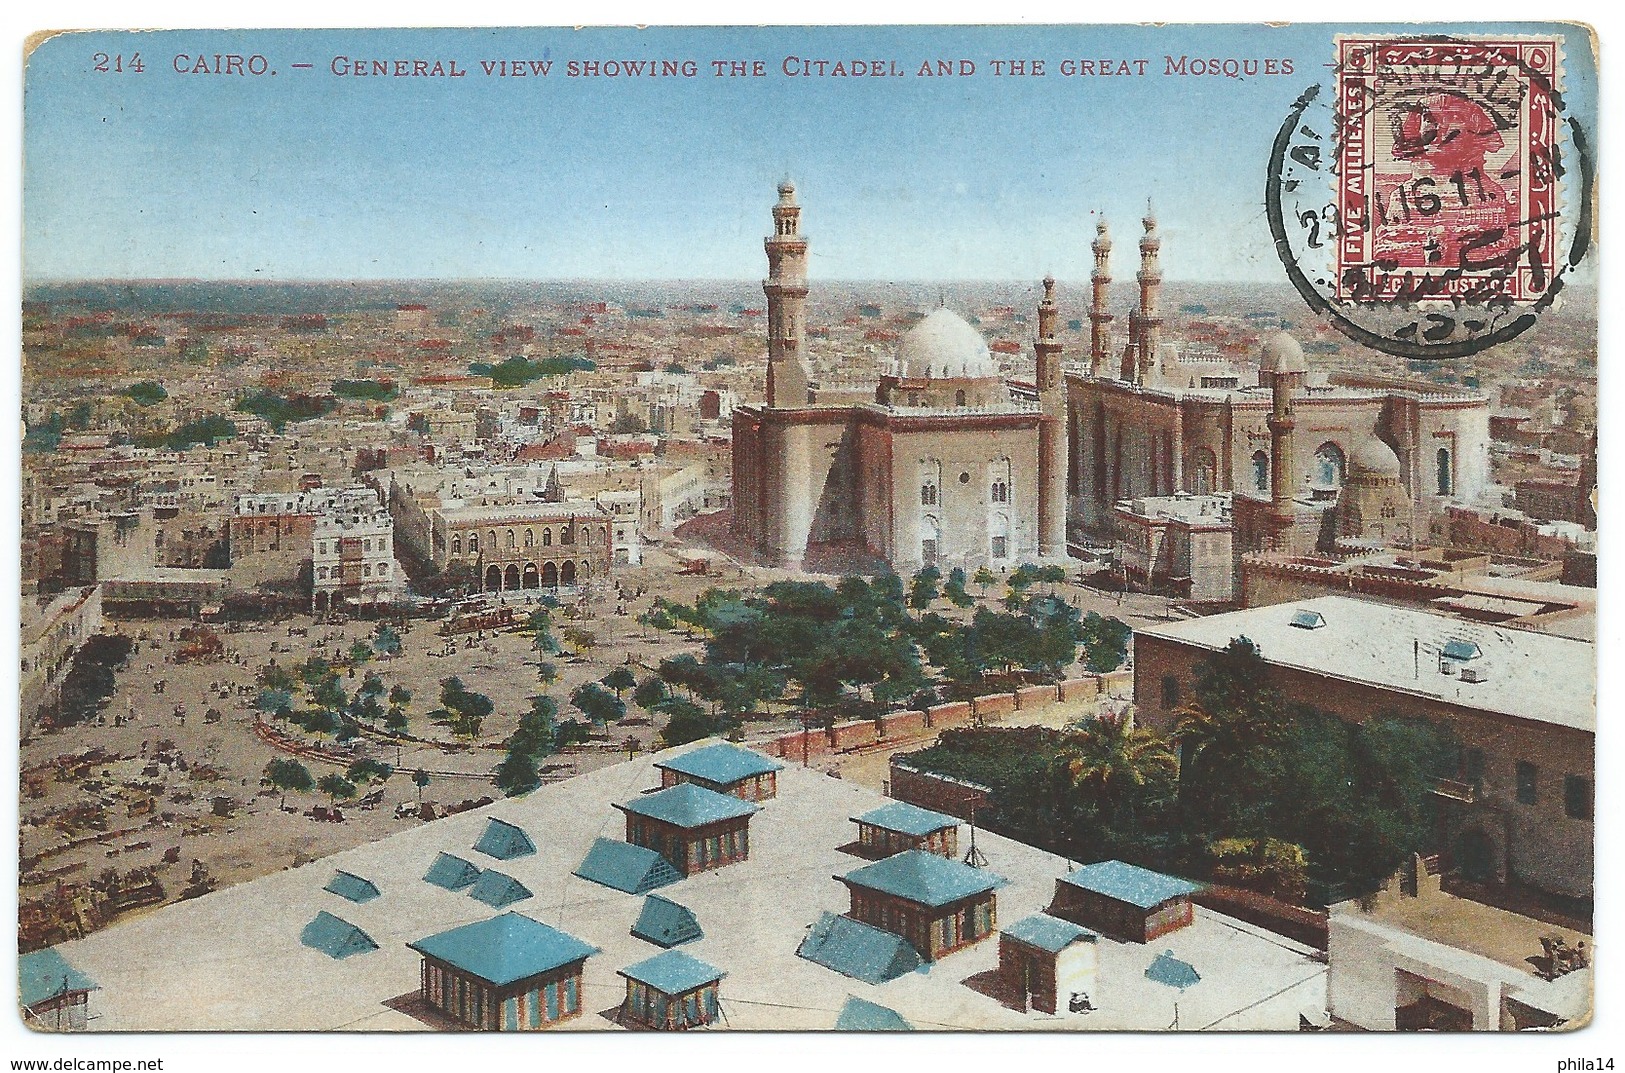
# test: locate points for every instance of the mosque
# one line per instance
(941, 464)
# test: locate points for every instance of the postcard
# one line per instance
(808, 529)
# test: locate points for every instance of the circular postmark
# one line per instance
(1430, 198)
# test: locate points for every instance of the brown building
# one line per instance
(1520, 703)
(671, 992)
(505, 974)
(1124, 901)
(724, 769)
(693, 828)
(938, 464)
(937, 905)
(1048, 961)
(899, 827)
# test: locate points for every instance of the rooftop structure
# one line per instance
(757, 913)
(726, 769)
(900, 827)
(665, 923)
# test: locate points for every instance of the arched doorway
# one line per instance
(1207, 472)
(1261, 471)
(1475, 856)
(550, 576)
(567, 573)
(493, 579)
(510, 577)
(531, 578)
(1445, 483)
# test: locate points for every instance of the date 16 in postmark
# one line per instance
(1430, 200)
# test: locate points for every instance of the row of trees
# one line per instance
(1249, 789)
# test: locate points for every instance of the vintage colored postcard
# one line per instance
(1084, 528)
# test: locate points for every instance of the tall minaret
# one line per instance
(786, 290)
(1051, 426)
(1148, 319)
(1100, 318)
(1281, 423)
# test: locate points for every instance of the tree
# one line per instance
(285, 775)
(583, 641)
(336, 787)
(547, 672)
(541, 632)
(360, 652)
(620, 680)
(598, 704)
(385, 641)
(954, 588)
(517, 774)
(467, 711)
(924, 588)
(278, 702)
(650, 692)
(368, 770)
(328, 693)
(984, 577)
(537, 735)
(420, 779)
(1111, 761)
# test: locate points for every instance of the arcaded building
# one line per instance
(941, 466)
(1150, 419)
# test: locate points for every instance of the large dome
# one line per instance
(1282, 354)
(943, 345)
(1374, 457)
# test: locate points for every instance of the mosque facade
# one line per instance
(942, 465)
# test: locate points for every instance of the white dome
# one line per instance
(1282, 354)
(944, 345)
(1375, 457)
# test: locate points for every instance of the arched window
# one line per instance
(1329, 465)
(512, 543)
(567, 535)
(456, 545)
(1001, 492)
(491, 541)
(547, 538)
(530, 537)
(321, 573)
(930, 533)
(1261, 471)
(366, 570)
(1444, 471)
(959, 397)
(999, 537)
(928, 495)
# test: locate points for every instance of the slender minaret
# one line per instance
(786, 290)
(1148, 318)
(1100, 318)
(1051, 425)
(1281, 423)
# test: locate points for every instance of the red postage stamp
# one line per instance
(1448, 167)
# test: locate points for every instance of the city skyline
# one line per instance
(309, 175)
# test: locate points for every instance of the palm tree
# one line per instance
(1111, 759)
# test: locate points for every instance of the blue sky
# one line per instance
(307, 175)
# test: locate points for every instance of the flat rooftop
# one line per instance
(232, 960)
(1528, 675)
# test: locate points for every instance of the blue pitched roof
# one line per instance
(504, 949)
(451, 872)
(673, 972)
(665, 923)
(1461, 650)
(1130, 883)
(924, 878)
(624, 867)
(353, 887)
(861, 951)
(1048, 933)
(336, 938)
(859, 1015)
(721, 763)
(1169, 970)
(504, 841)
(42, 974)
(907, 819)
(686, 805)
(497, 890)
